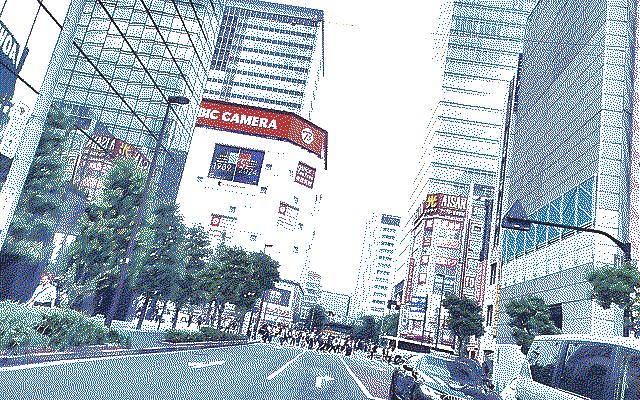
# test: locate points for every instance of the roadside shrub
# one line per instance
(23, 328)
(205, 334)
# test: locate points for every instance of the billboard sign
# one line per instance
(278, 296)
(418, 304)
(279, 125)
(445, 205)
(409, 282)
(305, 175)
(449, 284)
(236, 164)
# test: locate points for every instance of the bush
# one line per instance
(205, 334)
(23, 328)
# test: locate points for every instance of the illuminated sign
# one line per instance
(236, 164)
(409, 282)
(257, 121)
(445, 205)
(305, 175)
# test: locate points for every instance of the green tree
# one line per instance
(94, 258)
(366, 328)
(390, 324)
(317, 317)
(464, 320)
(163, 266)
(31, 229)
(198, 252)
(616, 285)
(529, 318)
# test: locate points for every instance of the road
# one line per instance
(255, 372)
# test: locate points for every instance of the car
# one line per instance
(572, 367)
(437, 377)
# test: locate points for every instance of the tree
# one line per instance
(366, 328)
(163, 266)
(32, 227)
(390, 324)
(94, 258)
(198, 253)
(529, 318)
(616, 285)
(317, 317)
(464, 320)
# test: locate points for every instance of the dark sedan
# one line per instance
(430, 377)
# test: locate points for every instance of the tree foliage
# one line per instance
(616, 285)
(390, 324)
(35, 217)
(366, 328)
(529, 318)
(317, 317)
(105, 228)
(464, 320)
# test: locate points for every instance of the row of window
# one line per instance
(280, 42)
(574, 208)
(258, 99)
(275, 30)
(272, 65)
(261, 87)
(274, 77)
(387, 244)
(270, 17)
(382, 272)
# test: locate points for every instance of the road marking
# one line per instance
(205, 364)
(279, 370)
(321, 379)
(359, 383)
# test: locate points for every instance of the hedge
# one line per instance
(205, 334)
(24, 329)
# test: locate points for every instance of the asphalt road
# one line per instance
(255, 372)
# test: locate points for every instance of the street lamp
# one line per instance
(124, 266)
(516, 218)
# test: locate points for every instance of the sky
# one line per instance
(375, 100)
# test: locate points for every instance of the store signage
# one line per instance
(445, 205)
(305, 175)
(409, 282)
(278, 125)
(236, 164)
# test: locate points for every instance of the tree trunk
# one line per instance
(143, 312)
(218, 315)
(175, 317)
(208, 319)
(190, 320)
(164, 308)
(626, 321)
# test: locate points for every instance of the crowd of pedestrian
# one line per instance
(319, 340)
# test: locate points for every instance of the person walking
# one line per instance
(45, 294)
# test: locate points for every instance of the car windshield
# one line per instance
(451, 371)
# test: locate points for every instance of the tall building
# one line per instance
(478, 45)
(254, 177)
(268, 55)
(569, 159)
(312, 290)
(336, 305)
(374, 280)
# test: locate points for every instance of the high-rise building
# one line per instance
(268, 55)
(374, 280)
(569, 160)
(312, 290)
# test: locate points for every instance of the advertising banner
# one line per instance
(445, 205)
(409, 282)
(236, 164)
(249, 120)
(418, 304)
(278, 296)
(305, 175)
(449, 284)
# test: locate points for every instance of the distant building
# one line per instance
(280, 305)
(374, 273)
(336, 305)
(312, 291)
(268, 55)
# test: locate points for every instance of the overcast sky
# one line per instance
(374, 100)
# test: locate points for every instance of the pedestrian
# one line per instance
(45, 294)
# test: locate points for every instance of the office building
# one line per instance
(280, 305)
(569, 160)
(336, 305)
(374, 272)
(268, 55)
(254, 178)
(312, 290)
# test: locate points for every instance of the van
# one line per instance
(578, 367)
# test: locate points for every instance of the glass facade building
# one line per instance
(568, 159)
(267, 55)
(140, 52)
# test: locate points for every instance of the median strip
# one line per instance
(279, 370)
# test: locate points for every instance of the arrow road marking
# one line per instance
(205, 364)
(321, 379)
(279, 370)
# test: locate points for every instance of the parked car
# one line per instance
(434, 377)
(572, 367)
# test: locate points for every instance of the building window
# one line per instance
(489, 314)
(555, 314)
(199, 179)
(268, 167)
(232, 209)
(263, 190)
(295, 249)
(492, 276)
(253, 238)
(291, 173)
(300, 225)
(295, 199)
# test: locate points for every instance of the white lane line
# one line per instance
(364, 390)
(205, 364)
(279, 370)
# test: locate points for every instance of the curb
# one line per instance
(105, 351)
